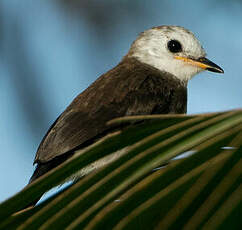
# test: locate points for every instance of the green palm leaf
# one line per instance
(145, 188)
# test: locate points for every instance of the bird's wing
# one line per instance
(125, 90)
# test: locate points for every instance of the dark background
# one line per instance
(51, 50)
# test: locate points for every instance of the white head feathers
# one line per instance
(151, 47)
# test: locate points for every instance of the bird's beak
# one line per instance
(203, 63)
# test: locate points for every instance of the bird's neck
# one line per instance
(137, 65)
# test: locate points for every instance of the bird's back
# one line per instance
(131, 88)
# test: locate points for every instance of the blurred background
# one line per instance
(52, 50)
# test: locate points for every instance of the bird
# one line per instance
(150, 79)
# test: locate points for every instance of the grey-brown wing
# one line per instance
(75, 127)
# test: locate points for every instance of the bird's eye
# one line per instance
(174, 46)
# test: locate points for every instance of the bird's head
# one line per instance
(172, 49)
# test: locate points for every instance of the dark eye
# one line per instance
(174, 46)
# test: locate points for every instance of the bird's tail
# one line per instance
(43, 168)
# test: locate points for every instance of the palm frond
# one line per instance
(147, 187)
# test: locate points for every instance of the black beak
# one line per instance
(210, 66)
